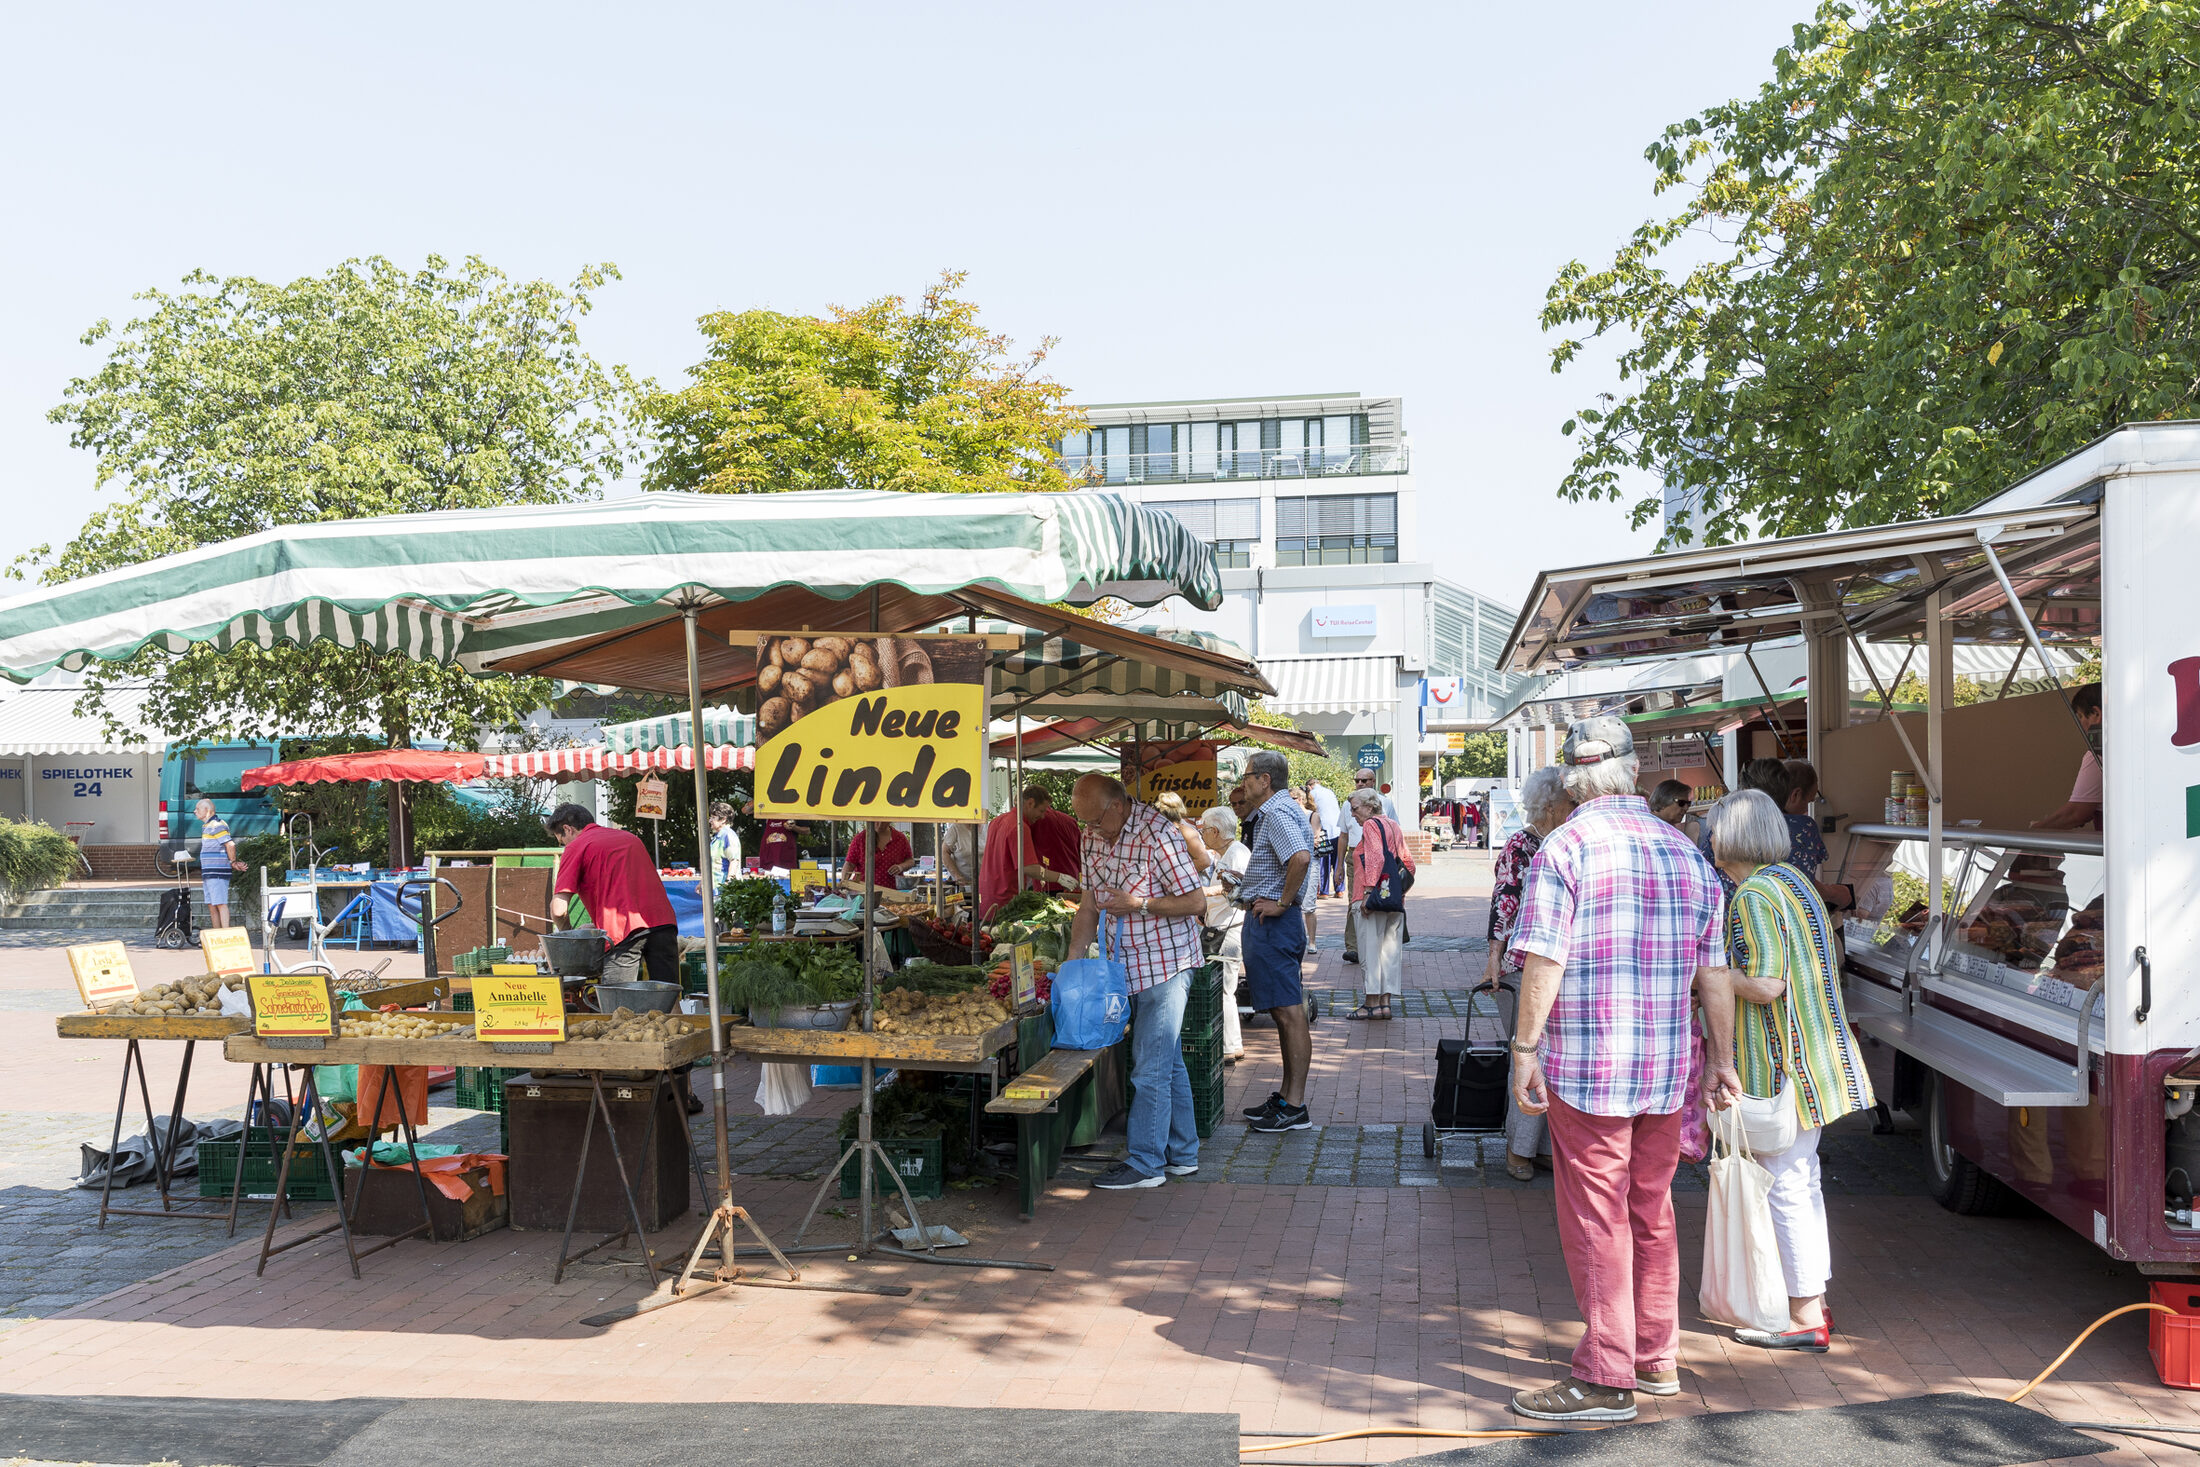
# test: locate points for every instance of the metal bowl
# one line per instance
(578, 953)
(833, 1016)
(642, 998)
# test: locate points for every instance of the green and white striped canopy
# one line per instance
(1048, 663)
(720, 726)
(468, 586)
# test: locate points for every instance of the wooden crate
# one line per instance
(412, 995)
(853, 1046)
(145, 1026)
(572, 1054)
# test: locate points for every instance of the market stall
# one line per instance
(637, 593)
(2016, 963)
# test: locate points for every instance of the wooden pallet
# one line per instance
(146, 1026)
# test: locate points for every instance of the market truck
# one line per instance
(2036, 1008)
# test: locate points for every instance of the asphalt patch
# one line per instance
(185, 1429)
(1950, 1430)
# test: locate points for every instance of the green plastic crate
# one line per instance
(308, 1180)
(919, 1159)
(462, 1003)
(1203, 1006)
(694, 975)
(481, 1088)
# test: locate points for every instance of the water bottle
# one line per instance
(779, 912)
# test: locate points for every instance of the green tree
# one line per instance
(1947, 242)
(235, 405)
(878, 397)
(1483, 758)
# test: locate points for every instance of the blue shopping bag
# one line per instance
(1091, 1001)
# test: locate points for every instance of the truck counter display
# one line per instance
(2026, 992)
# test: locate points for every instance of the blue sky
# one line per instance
(1213, 199)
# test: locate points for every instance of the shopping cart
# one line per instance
(78, 831)
(1473, 1079)
(173, 928)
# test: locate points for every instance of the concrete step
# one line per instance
(90, 907)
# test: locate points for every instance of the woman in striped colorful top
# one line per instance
(1791, 1035)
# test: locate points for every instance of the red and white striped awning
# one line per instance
(598, 762)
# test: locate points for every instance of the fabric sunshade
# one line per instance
(480, 587)
(44, 720)
(595, 761)
(720, 726)
(416, 766)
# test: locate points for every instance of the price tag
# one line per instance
(292, 1005)
(228, 950)
(649, 799)
(519, 1007)
(103, 974)
(803, 878)
(1023, 980)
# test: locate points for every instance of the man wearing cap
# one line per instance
(1622, 924)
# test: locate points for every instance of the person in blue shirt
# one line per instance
(217, 861)
(725, 844)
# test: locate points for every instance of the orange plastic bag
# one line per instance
(406, 1093)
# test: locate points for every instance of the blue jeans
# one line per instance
(1162, 1131)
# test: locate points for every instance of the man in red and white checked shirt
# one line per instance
(1138, 873)
(1622, 925)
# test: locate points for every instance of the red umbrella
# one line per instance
(420, 766)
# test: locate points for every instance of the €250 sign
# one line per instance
(870, 728)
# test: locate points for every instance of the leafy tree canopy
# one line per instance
(879, 397)
(235, 405)
(1949, 241)
(1483, 758)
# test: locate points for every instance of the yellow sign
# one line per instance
(1455, 742)
(1194, 779)
(516, 1007)
(805, 876)
(649, 799)
(1023, 979)
(227, 950)
(871, 728)
(103, 974)
(292, 1005)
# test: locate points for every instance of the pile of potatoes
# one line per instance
(798, 675)
(623, 1024)
(905, 1011)
(365, 1024)
(188, 998)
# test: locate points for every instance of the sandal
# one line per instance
(1519, 1168)
(1383, 1011)
(1362, 1012)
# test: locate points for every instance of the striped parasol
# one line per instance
(597, 761)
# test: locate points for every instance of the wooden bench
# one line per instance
(1039, 1090)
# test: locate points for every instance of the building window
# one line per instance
(1254, 448)
(1232, 526)
(1337, 529)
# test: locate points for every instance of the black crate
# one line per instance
(545, 1118)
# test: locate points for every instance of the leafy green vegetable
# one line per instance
(747, 903)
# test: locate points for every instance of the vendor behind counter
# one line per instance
(611, 872)
(2082, 810)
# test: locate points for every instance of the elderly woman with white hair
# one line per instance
(1545, 803)
(1382, 934)
(1790, 1032)
(1225, 919)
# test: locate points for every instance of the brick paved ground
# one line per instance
(1311, 1282)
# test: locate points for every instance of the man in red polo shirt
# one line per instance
(610, 871)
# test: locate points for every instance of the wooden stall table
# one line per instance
(137, 1029)
(968, 1054)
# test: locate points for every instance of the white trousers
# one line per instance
(1382, 955)
(1799, 1215)
(1233, 1031)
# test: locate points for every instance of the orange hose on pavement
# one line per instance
(2072, 1348)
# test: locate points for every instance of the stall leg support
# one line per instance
(307, 1103)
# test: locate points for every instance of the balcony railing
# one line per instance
(1232, 464)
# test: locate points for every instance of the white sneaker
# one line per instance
(1174, 1170)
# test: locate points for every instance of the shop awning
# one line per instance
(44, 720)
(595, 761)
(1332, 684)
(1079, 733)
(1729, 597)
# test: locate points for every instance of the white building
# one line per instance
(1310, 504)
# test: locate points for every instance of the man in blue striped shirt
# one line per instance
(1274, 939)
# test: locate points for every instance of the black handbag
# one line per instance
(1389, 894)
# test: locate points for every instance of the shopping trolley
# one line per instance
(1473, 1078)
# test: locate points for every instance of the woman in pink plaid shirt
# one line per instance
(1622, 924)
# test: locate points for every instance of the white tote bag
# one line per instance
(1770, 1124)
(1742, 1283)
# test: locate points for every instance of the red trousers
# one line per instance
(1615, 1221)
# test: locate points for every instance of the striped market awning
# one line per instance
(720, 726)
(595, 761)
(1332, 684)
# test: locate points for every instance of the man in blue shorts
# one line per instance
(1275, 931)
(217, 862)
